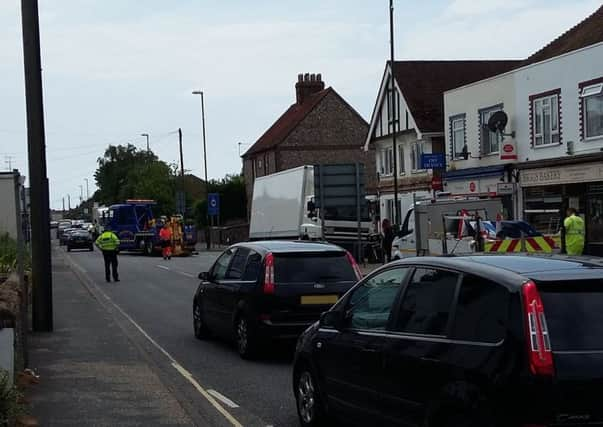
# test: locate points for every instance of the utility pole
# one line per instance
(147, 135)
(183, 202)
(81, 193)
(208, 234)
(87, 189)
(69, 202)
(396, 217)
(42, 317)
(63, 205)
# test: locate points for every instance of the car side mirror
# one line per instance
(204, 275)
(332, 319)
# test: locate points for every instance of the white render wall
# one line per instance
(563, 72)
(406, 142)
(469, 100)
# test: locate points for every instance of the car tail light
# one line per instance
(354, 265)
(269, 274)
(538, 340)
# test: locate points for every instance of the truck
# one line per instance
(436, 227)
(138, 229)
(283, 207)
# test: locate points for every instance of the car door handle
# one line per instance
(430, 360)
(370, 349)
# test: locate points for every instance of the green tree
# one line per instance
(233, 200)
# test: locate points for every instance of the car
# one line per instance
(514, 230)
(54, 224)
(65, 235)
(273, 290)
(62, 226)
(459, 341)
(79, 239)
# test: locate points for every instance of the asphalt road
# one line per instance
(157, 296)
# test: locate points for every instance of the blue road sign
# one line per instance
(433, 161)
(213, 204)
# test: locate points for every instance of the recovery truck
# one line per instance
(138, 229)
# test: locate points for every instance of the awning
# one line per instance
(472, 173)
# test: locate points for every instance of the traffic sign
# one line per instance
(436, 183)
(433, 161)
(213, 204)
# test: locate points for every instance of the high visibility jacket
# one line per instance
(107, 241)
(574, 235)
(165, 234)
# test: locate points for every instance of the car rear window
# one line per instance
(304, 268)
(574, 314)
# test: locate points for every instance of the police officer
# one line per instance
(108, 243)
(574, 233)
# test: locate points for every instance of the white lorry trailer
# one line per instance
(283, 208)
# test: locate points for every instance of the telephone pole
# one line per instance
(69, 202)
(183, 195)
(208, 234)
(63, 205)
(81, 193)
(87, 189)
(42, 317)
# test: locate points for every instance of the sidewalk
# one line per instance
(90, 372)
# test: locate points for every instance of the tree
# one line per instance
(233, 200)
(124, 172)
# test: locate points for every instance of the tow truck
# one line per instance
(138, 229)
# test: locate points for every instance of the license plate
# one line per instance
(319, 299)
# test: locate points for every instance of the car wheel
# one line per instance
(310, 409)
(246, 341)
(199, 326)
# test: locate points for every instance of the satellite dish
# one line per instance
(498, 121)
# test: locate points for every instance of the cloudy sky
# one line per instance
(113, 69)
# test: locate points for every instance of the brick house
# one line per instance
(319, 128)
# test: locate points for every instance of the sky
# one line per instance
(113, 69)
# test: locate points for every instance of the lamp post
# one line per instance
(396, 212)
(208, 234)
(81, 193)
(87, 189)
(147, 136)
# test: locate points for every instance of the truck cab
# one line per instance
(133, 222)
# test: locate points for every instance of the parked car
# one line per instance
(260, 291)
(54, 224)
(80, 239)
(459, 341)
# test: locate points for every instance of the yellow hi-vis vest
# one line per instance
(574, 235)
(107, 241)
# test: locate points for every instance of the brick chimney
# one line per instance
(306, 85)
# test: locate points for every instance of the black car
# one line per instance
(80, 239)
(260, 291)
(482, 341)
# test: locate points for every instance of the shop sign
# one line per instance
(505, 188)
(436, 183)
(562, 175)
(508, 150)
(479, 186)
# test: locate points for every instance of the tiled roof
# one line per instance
(586, 33)
(423, 84)
(287, 122)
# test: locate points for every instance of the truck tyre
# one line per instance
(148, 248)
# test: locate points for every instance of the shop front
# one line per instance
(548, 191)
(480, 182)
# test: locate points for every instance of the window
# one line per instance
(328, 267)
(401, 167)
(427, 302)
(370, 304)
(489, 140)
(238, 264)
(481, 312)
(386, 162)
(457, 134)
(219, 268)
(592, 107)
(253, 268)
(545, 120)
(416, 152)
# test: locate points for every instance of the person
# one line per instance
(388, 239)
(574, 233)
(165, 235)
(108, 243)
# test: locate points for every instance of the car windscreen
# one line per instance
(574, 314)
(313, 267)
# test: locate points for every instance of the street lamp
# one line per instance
(81, 193)
(208, 235)
(147, 136)
(87, 189)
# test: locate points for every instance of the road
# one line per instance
(157, 295)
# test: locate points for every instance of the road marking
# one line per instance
(225, 400)
(186, 374)
(186, 274)
(163, 267)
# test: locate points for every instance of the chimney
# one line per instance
(308, 84)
